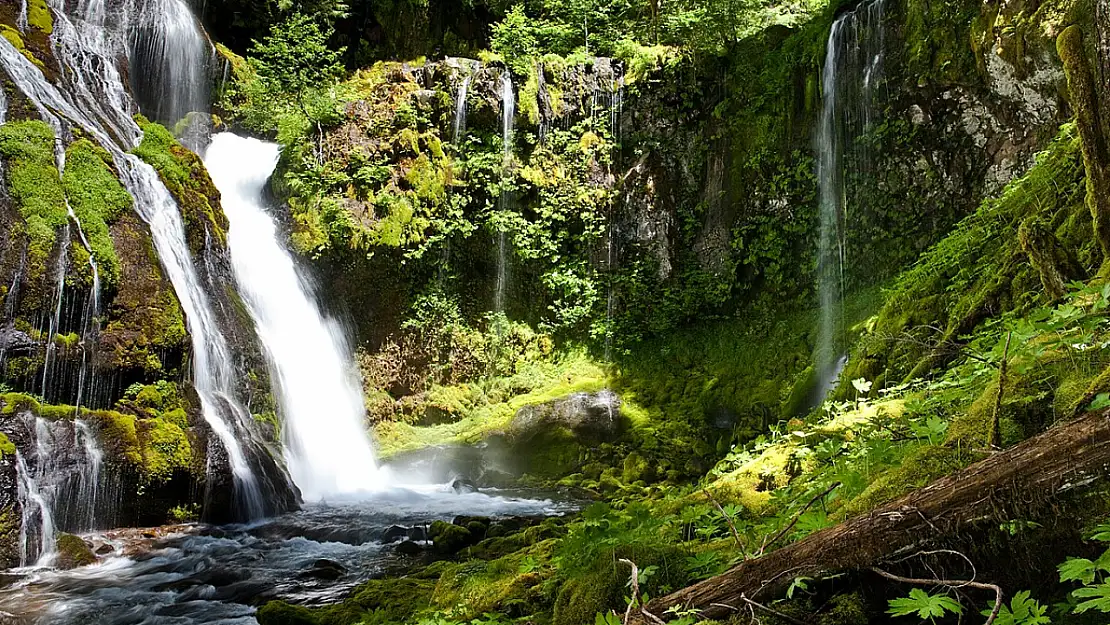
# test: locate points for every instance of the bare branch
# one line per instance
(731, 525)
(951, 584)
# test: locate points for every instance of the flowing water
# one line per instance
(327, 448)
(850, 81)
(505, 202)
(213, 368)
(217, 575)
(460, 108)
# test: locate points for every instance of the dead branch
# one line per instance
(951, 584)
(794, 521)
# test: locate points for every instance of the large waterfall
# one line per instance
(88, 54)
(852, 73)
(327, 447)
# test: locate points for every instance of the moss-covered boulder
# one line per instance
(73, 552)
(449, 538)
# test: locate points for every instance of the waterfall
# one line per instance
(327, 447)
(36, 529)
(505, 202)
(852, 73)
(170, 59)
(88, 489)
(460, 109)
(213, 369)
(58, 484)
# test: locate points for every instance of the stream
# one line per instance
(218, 575)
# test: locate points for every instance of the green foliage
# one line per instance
(295, 62)
(924, 605)
(514, 40)
(1023, 610)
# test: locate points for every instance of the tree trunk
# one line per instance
(1090, 112)
(1067, 459)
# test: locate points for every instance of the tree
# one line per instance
(295, 63)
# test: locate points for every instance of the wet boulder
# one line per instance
(395, 533)
(463, 485)
(448, 538)
(324, 569)
(409, 548)
(73, 552)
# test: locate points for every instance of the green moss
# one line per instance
(165, 449)
(7, 447)
(187, 179)
(13, 37)
(282, 613)
(39, 16)
(917, 469)
(73, 552)
(98, 199)
(34, 184)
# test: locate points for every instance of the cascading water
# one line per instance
(460, 108)
(505, 202)
(213, 369)
(851, 76)
(36, 529)
(327, 447)
(88, 490)
(170, 58)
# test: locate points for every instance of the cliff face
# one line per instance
(649, 191)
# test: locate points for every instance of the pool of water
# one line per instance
(218, 574)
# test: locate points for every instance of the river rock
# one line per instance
(395, 533)
(463, 485)
(73, 552)
(323, 569)
(409, 548)
(589, 416)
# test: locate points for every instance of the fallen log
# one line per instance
(1068, 459)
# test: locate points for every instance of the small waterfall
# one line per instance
(213, 368)
(21, 19)
(36, 530)
(852, 73)
(460, 108)
(170, 59)
(88, 490)
(59, 485)
(506, 200)
(327, 446)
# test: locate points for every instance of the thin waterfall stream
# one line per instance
(850, 78)
(505, 201)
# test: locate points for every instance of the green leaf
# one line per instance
(1022, 611)
(1101, 401)
(1079, 570)
(923, 604)
(1098, 598)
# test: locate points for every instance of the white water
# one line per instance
(35, 508)
(327, 447)
(853, 67)
(89, 485)
(213, 370)
(508, 113)
(460, 108)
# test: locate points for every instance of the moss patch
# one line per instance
(98, 199)
(185, 176)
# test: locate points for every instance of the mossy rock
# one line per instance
(184, 175)
(450, 538)
(282, 613)
(73, 552)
